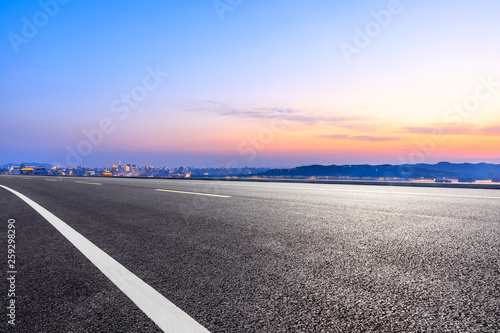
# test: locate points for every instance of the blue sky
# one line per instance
(226, 79)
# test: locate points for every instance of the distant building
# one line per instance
(40, 171)
(15, 170)
(27, 171)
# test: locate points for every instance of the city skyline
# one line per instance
(443, 172)
(261, 84)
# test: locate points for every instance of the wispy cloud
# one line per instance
(366, 127)
(469, 129)
(333, 136)
(491, 130)
(447, 128)
(289, 114)
(420, 130)
(358, 137)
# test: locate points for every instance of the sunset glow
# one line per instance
(268, 85)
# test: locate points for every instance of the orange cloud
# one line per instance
(358, 137)
(461, 129)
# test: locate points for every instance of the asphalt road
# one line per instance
(256, 257)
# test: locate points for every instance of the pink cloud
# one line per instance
(358, 137)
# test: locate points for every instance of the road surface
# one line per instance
(250, 257)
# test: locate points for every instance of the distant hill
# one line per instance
(8, 165)
(477, 171)
(428, 171)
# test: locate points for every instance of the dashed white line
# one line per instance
(88, 183)
(50, 180)
(195, 193)
(163, 312)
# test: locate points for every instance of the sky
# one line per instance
(265, 83)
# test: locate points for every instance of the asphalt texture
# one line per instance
(271, 257)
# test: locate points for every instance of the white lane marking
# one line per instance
(88, 183)
(229, 184)
(195, 193)
(26, 178)
(50, 180)
(163, 312)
